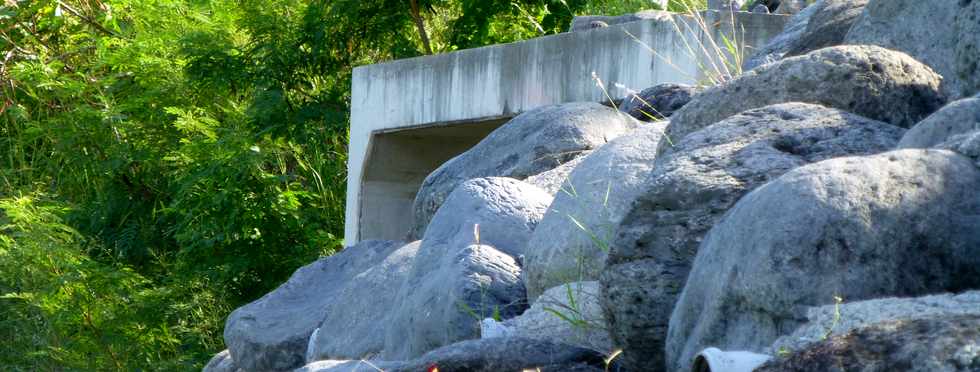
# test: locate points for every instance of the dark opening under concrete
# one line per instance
(398, 161)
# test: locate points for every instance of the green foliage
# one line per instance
(63, 310)
(165, 161)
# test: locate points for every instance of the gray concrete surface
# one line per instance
(409, 116)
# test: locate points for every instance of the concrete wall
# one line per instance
(409, 116)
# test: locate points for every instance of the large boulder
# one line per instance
(828, 26)
(273, 332)
(866, 80)
(554, 180)
(221, 362)
(354, 321)
(340, 365)
(446, 305)
(791, 6)
(506, 210)
(571, 242)
(949, 45)
(533, 142)
(967, 62)
(658, 102)
(506, 354)
(485, 355)
(778, 46)
(568, 313)
(902, 223)
(823, 24)
(960, 117)
(465, 269)
(689, 190)
(770, 6)
(940, 344)
(965, 144)
(840, 319)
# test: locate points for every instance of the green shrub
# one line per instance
(65, 311)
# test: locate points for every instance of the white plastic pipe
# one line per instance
(714, 360)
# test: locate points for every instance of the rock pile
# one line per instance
(692, 186)
(872, 227)
(530, 144)
(820, 210)
(571, 242)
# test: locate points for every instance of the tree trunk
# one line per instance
(420, 25)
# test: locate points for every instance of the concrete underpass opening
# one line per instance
(397, 163)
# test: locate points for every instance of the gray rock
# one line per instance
(902, 223)
(770, 5)
(828, 26)
(823, 24)
(959, 117)
(446, 306)
(585, 23)
(965, 144)
(791, 6)
(272, 333)
(532, 143)
(506, 210)
(364, 366)
(777, 47)
(552, 181)
(839, 320)
(658, 102)
(939, 344)
(689, 190)
(461, 276)
(941, 34)
(505, 354)
(485, 355)
(866, 80)
(221, 362)
(761, 8)
(572, 240)
(966, 71)
(579, 303)
(356, 317)
(349, 366)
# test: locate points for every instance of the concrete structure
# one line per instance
(409, 116)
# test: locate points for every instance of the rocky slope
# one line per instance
(820, 211)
